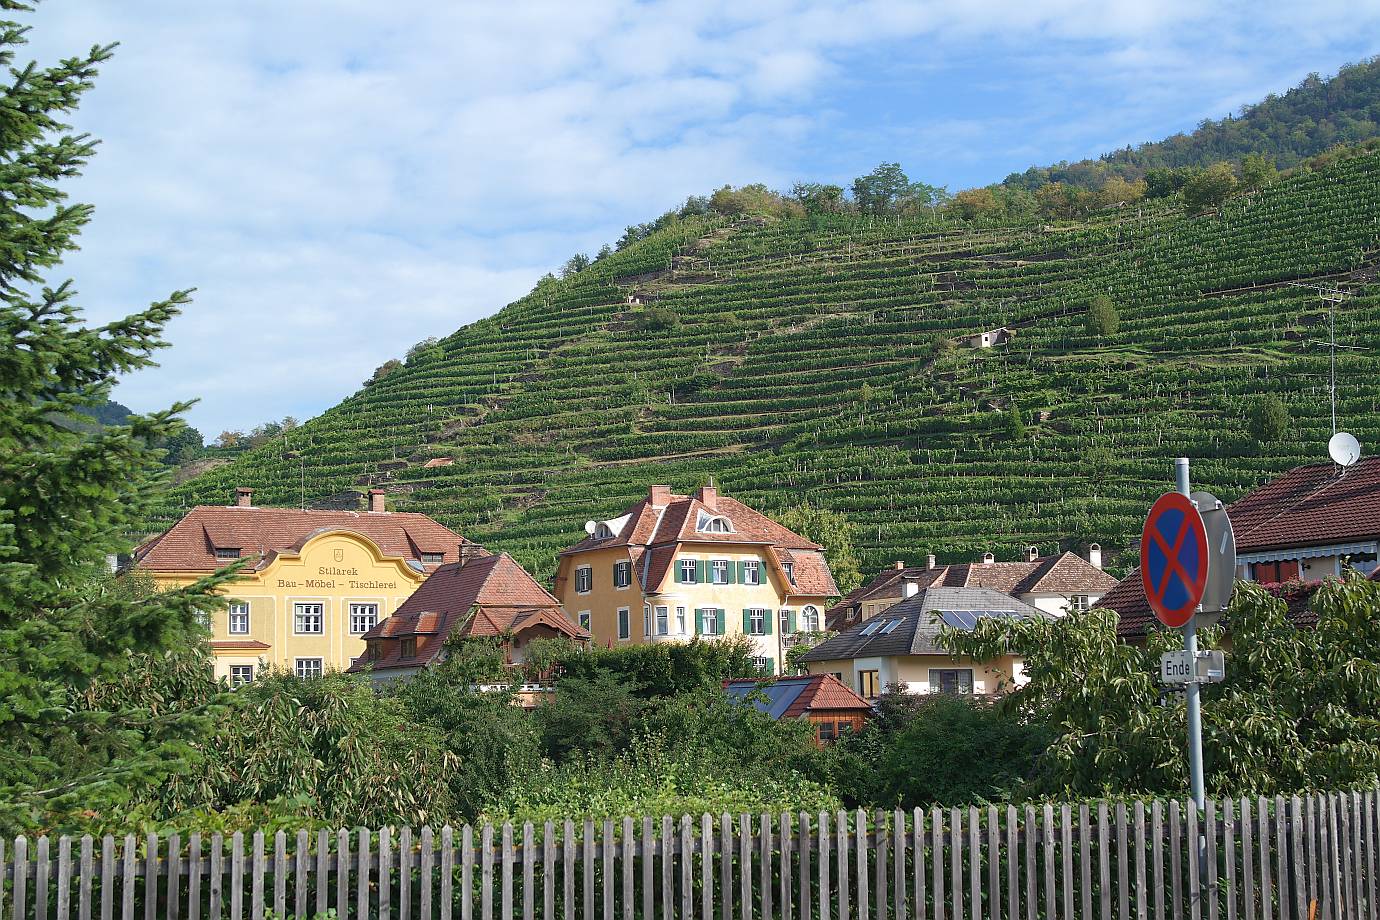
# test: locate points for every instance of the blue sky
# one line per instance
(342, 179)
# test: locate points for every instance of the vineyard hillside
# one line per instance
(823, 360)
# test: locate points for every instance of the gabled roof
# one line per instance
(489, 596)
(795, 697)
(912, 626)
(262, 533)
(1310, 505)
(655, 526)
(1065, 573)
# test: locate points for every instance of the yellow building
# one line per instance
(897, 650)
(313, 584)
(673, 567)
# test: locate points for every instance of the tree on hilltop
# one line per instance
(1209, 188)
(67, 498)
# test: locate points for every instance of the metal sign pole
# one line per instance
(1195, 712)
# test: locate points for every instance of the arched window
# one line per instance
(712, 523)
(809, 619)
(602, 531)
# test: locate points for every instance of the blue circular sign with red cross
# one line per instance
(1173, 559)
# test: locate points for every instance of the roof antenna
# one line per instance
(1342, 446)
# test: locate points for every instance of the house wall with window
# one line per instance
(709, 590)
(923, 674)
(305, 611)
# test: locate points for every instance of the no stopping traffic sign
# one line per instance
(1173, 559)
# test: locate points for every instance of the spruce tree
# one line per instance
(70, 496)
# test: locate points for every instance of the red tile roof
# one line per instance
(653, 531)
(1310, 505)
(489, 596)
(1135, 619)
(257, 532)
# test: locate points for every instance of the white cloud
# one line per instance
(342, 178)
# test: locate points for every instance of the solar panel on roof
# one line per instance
(891, 625)
(870, 628)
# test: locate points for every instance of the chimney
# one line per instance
(659, 496)
(467, 552)
(931, 562)
(376, 500)
(910, 587)
(988, 558)
(244, 497)
(1032, 553)
(899, 565)
(1095, 554)
(709, 497)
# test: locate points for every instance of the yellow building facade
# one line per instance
(674, 568)
(313, 582)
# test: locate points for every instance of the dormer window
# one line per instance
(602, 532)
(433, 558)
(227, 553)
(713, 523)
(409, 647)
(789, 568)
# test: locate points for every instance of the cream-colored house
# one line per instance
(313, 582)
(898, 649)
(675, 567)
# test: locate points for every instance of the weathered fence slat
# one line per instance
(1314, 856)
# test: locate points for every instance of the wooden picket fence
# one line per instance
(1277, 859)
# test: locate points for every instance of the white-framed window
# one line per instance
(308, 667)
(757, 622)
(789, 569)
(227, 553)
(663, 620)
(584, 579)
(784, 617)
(711, 622)
(203, 618)
(622, 574)
(241, 674)
(1078, 603)
(752, 572)
(584, 620)
(708, 523)
(680, 620)
(687, 571)
(433, 558)
(646, 619)
(238, 619)
(718, 571)
(809, 619)
(308, 620)
(363, 617)
(951, 680)
(761, 663)
(624, 623)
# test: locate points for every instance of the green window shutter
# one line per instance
(699, 621)
(722, 621)
(790, 621)
(767, 617)
(675, 563)
(747, 621)
(699, 571)
(742, 572)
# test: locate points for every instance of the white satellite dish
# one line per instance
(589, 527)
(1344, 449)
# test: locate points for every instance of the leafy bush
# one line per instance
(1103, 318)
(1268, 418)
(654, 319)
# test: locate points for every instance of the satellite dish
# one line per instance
(1344, 449)
(590, 526)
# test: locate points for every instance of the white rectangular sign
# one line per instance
(1176, 667)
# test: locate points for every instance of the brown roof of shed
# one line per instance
(191, 543)
(801, 695)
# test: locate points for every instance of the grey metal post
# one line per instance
(1195, 712)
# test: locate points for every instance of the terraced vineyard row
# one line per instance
(822, 361)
